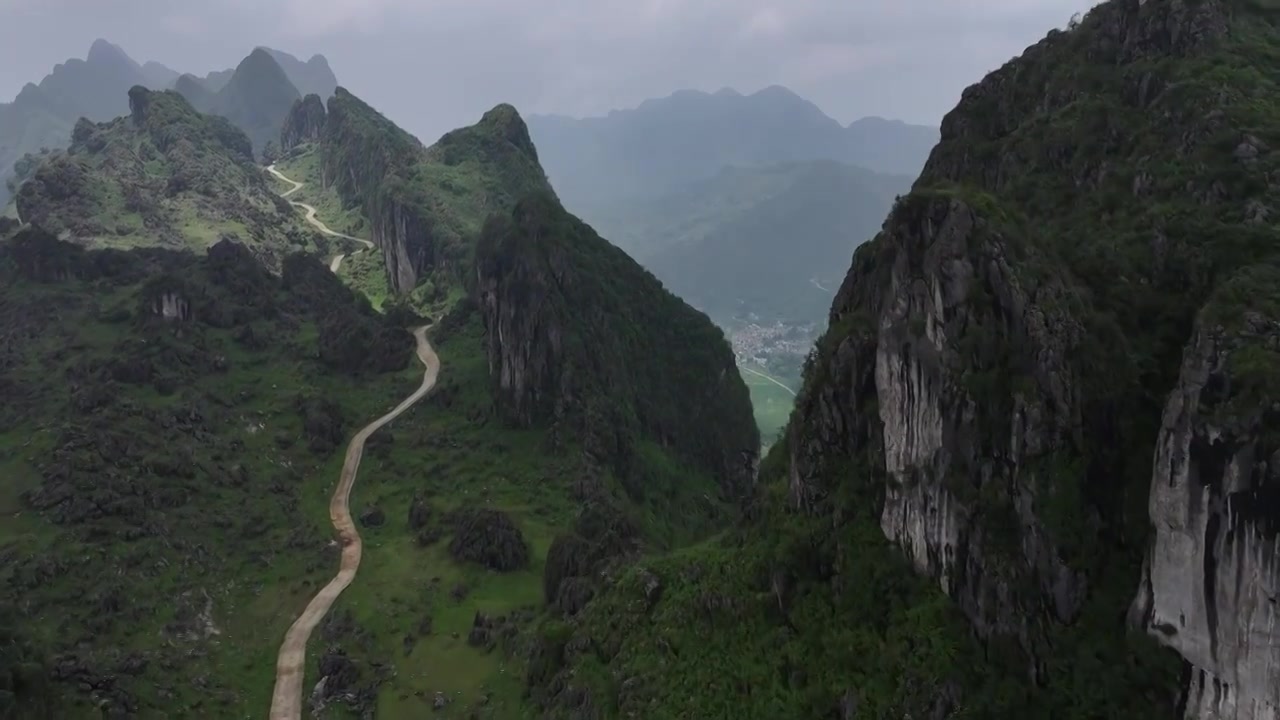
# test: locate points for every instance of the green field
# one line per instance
(771, 403)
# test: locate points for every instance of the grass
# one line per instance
(261, 576)
(771, 404)
(303, 165)
(456, 458)
(363, 271)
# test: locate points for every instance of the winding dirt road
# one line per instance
(286, 701)
(318, 224)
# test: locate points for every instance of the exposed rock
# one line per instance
(1212, 576)
(373, 517)
(490, 538)
(304, 123)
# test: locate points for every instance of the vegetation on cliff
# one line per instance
(161, 416)
(184, 414)
(426, 206)
(988, 395)
(164, 175)
(579, 332)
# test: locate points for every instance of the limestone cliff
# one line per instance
(1211, 582)
(304, 123)
(1000, 354)
(582, 337)
(426, 206)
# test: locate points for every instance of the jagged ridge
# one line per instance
(426, 206)
(165, 175)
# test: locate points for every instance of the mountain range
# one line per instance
(744, 205)
(1032, 469)
(762, 242)
(656, 148)
(42, 115)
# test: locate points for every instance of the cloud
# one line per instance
(433, 64)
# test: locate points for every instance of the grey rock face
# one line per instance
(1211, 581)
(304, 123)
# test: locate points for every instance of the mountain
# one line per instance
(304, 124)
(664, 144)
(1031, 471)
(313, 77)
(42, 116)
(163, 175)
(759, 241)
(426, 205)
(158, 76)
(181, 409)
(257, 98)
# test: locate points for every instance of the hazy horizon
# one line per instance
(432, 67)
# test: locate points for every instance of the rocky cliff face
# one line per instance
(954, 377)
(1211, 582)
(426, 205)
(304, 124)
(579, 336)
(1000, 354)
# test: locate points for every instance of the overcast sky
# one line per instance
(432, 65)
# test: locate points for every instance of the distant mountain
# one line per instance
(97, 87)
(664, 144)
(43, 115)
(159, 76)
(764, 241)
(195, 91)
(313, 77)
(256, 99)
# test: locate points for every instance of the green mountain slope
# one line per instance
(183, 413)
(426, 206)
(1041, 394)
(162, 175)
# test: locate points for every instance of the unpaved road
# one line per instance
(316, 222)
(286, 701)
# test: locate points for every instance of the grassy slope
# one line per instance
(363, 271)
(267, 537)
(772, 405)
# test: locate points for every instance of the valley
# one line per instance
(711, 406)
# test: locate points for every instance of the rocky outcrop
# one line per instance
(304, 123)
(490, 538)
(1210, 587)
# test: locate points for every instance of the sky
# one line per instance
(431, 65)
